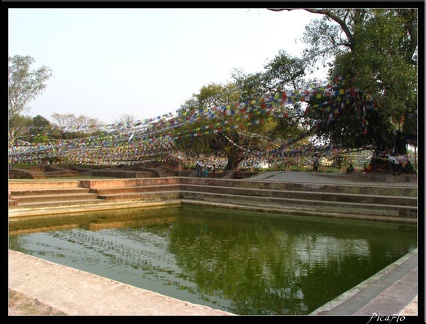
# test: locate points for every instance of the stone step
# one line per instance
(21, 200)
(304, 204)
(141, 196)
(60, 203)
(34, 184)
(125, 183)
(296, 194)
(307, 195)
(390, 189)
(122, 173)
(135, 189)
(12, 203)
(386, 208)
(46, 192)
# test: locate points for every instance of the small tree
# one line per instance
(126, 120)
(19, 128)
(24, 85)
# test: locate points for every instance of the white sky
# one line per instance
(144, 62)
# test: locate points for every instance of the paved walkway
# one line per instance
(324, 178)
(392, 291)
(77, 292)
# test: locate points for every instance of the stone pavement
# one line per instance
(77, 292)
(333, 178)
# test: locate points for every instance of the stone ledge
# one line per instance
(373, 177)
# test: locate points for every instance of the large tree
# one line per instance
(234, 121)
(373, 55)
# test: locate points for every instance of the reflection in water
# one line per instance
(243, 262)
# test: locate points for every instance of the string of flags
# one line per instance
(150, 137)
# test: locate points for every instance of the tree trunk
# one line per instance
(235, 156)
(382, 164)
(233, 162)
(389, 147)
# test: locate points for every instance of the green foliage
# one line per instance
(284, 73)
(377, 48)
(231, 120)
(24, 85)
(19, 128)
(40, 139)
(38, 129)
(40, 121)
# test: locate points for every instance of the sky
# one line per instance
(107, 62)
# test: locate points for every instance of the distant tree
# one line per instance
(19, 127)
(126, 120)
(40, 121)
(29, 129)
(24, 85)
(73, 123)
(39, 129)
(68, 126)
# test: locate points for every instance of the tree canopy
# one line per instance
(234, 121)
(375, 51)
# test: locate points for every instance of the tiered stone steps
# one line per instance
(47, 199)
(139, 193)
(357, 200)
(58, 194)
(136, 190)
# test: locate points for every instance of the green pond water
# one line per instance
(243, 262)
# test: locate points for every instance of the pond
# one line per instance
(243, 262)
